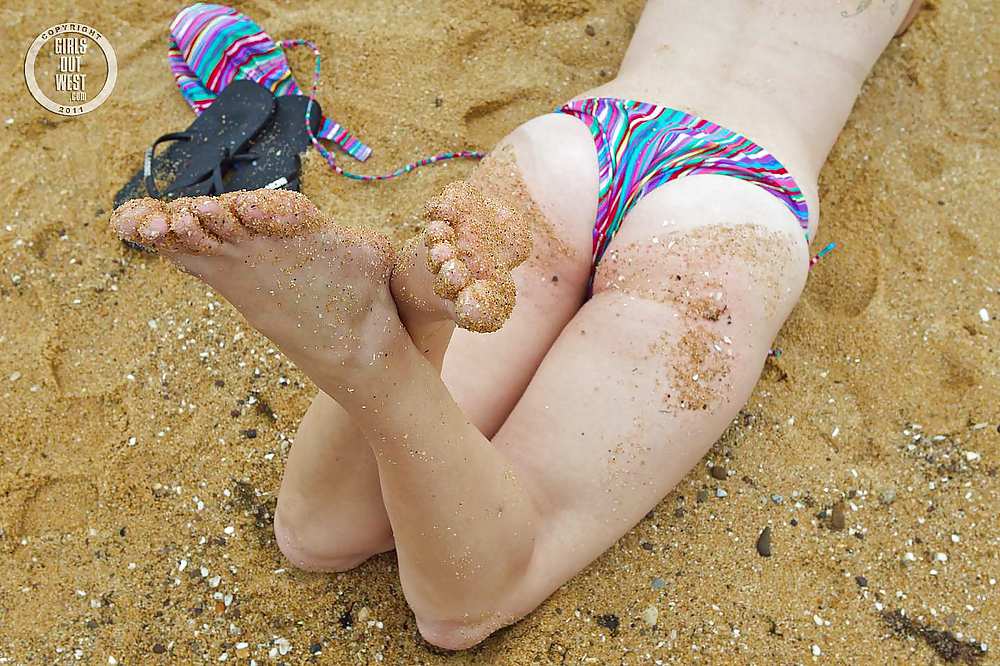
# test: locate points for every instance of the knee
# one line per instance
(458, 635)
(317, 548)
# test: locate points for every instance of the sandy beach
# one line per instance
(144, 424)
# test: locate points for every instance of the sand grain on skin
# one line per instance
(491, 239)
(498, 176)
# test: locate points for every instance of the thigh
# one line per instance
(547, 168)
(653, 368)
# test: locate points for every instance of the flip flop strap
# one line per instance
(147, 162)
(218, 187)
(214, 177)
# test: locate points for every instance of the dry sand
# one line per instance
(143, 425)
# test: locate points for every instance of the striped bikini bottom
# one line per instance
(642, 146)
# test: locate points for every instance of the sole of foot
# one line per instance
(464, 258)
(318, 290)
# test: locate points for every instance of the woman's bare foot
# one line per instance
(310, 286)
(319, 291)
(459, 269)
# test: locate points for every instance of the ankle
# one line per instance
(428, 318)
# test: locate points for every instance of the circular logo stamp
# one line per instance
(66, 64)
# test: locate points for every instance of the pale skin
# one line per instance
(500, 465)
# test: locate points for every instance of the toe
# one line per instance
(452, 278)
(274, 212)
(125, 220)
(436, 232)
(485, 305)
(440, 253)
(139, 221)
(217, 219)
(154, 229)
(188, 233)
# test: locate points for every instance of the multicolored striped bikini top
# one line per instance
(213, 45)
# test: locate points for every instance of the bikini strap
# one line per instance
(329, 157)
(211, 46)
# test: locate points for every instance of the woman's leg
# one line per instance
(485, 531)
(330, 514)
(613, 417)
(546, 169)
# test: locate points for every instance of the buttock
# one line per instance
(641, 147)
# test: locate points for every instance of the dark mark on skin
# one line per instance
(865, 4)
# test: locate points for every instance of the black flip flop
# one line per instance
(198, 157)
(276, 150)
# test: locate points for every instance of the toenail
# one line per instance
(438, 232)
(156, 226)
(440, 253)
(184, 223)
(210, 207)
(453, 277)
(126, 224)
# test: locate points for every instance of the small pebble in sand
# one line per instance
(658, 583)
(777, 499)
(861, 581)
(718, 472)
(284, 647)
(719, 492)
(651, 615)
(816, 651)
(984, 315)
(14, 376)
(764, 543)
(837, 519)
